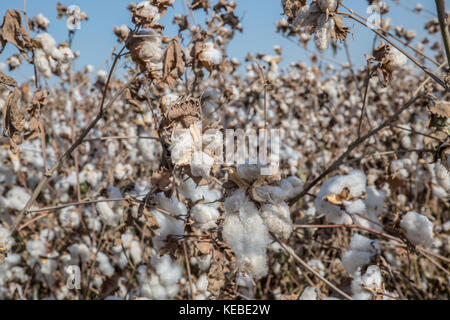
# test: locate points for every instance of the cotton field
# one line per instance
(149, 179)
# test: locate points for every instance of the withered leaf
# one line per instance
(13, 119)
(185, 110)
(173, 60)
(35, 127)
(161, 179)
(204, 247)
(12, 31)
(200, 4)
(7, 80)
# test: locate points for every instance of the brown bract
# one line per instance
(186, 110)
(13, 119)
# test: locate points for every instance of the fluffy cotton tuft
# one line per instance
(419, 230)
(359, 253)
(247, 234)
(210, 54)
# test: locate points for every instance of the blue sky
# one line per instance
(95, 39)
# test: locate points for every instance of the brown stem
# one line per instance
(440, 8)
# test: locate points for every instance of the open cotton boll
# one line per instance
(202, 283)
(359, 253)
(292, 186)
(42, 21)
(104, 264)
(6, 241)
(69, 218)
(371, 279)
(146, 10)
(278, 220)
(419, 230)
(169, 225)
(442, 176)
(15, 199)
(322, 36)
(245, 231)
(309, 293)
(182, 147)
(397, 59)
(204, 216)
(42, 64)
(201, 164)
(195, 193)
(270, 194)
(249, 172)
(307, 15)
(168, 271)
(317, 265)
(327, 5)
(151, 51)
(110, 212)
(210, 54)
(47, 42)
(79, 253)
(245, 284)
(355, 182)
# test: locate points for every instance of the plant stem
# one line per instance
(440, 7)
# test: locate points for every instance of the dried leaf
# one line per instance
(12, 31)
(204, 247)
(185, 110)
(13, 119)
(7, 80)
(340, 31)
(173, 61)
(200, 4)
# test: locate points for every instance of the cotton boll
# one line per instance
(47, 42)
(42, 21)
(210, 54)
(6, 241)
(201, 165)
(318, 266)
(202, 287)
(69, 218)
(151, 51)
(327, 5)
(359, 253)
(355, 182)
(278, 220)
(322, 36)
(136, 252)
(195, 193)
(146, 10)
(249, 172)
(419, 230)
(15, 199)
(104, 264)
(204, 216)
(397, 59)
(247, 234)
(169, 225)
(307, 15)
(309, 293)
(42, 64)
(371, 279)
(79, 252)
(169, 273)
(246, 285)
(442, 176)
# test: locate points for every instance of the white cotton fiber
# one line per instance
(278, 220)
(167, 220)
(372, 279)
(210, 54)
(246, 233)
(419, 229)
(104, 264)
(309, 293)
(359, 253)
(15, 199)
(6, 241)
(204, 216)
